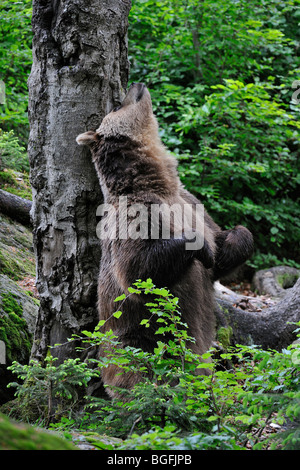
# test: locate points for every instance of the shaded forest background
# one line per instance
(223, 78)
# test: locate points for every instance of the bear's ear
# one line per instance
(87, 138)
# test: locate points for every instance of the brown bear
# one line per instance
(138, 174)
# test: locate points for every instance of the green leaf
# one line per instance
(117, 314)
(121, 297)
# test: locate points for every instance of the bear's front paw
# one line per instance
(205, 255)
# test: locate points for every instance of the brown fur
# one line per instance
(131, 161)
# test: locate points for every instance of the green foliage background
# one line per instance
(221, 75)
(15, 64)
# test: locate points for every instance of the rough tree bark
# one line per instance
(79, 72)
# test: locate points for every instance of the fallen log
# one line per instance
(15, 207)
(274, 281)
(268, 322)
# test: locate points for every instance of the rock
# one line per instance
(94, 441)
(28, 304)
(16, 436)
(17, 258)
(18, 314)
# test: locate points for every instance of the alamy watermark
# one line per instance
(154, 221)
(296, 356)
(2, 352)
(2, 92)
(296, 94)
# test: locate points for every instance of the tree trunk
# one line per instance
(266, 322)
(15, 207)
(79, 72)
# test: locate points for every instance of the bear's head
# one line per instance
(134, 119)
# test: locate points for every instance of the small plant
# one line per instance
(12, 154)
(160, 398)
(272, 394)
(169, 438)
(49, 392)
